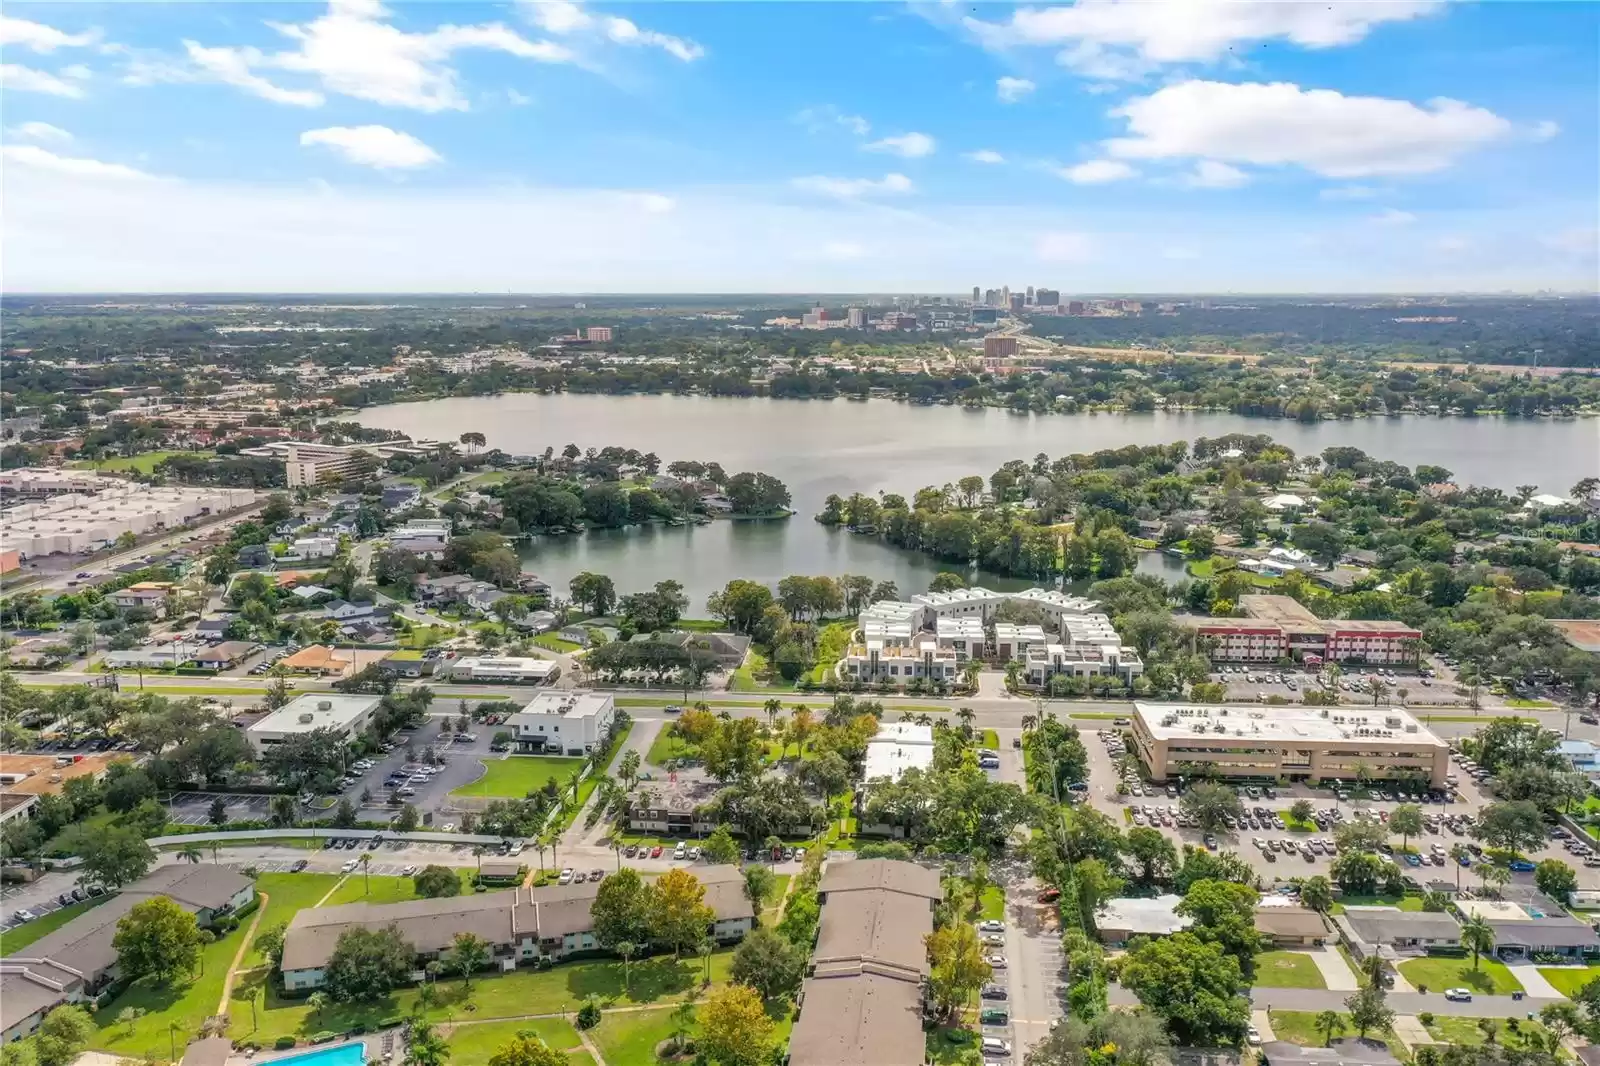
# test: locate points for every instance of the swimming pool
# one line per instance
(351, 1054)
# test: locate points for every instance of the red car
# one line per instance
(1050, 895)
(655, 852)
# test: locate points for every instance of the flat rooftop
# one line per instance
(1581, 633)
(41, 768)
(568, 704)
(1290, 723)
(316, 710)
(1284, 610)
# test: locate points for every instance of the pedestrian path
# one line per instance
(1335, 972)
(1263, 1023)
(1408, 1028)
(1533, 982)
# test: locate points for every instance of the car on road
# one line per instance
(1458, 995)
(1252, 1036)
(672, 708)
(1520, 866)
(22, 916)
(1049, 895)
(655, 852)
(996, 961)
(596, 876)
(350, 864)
(579, 878)
(994, 940)
(994, 992)
(1589, 719)
(408, 871)
(1211, 842)
(448, 827)
(299, 864)
(991, 925)
(631, 850)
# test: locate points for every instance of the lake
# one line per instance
(819, 447)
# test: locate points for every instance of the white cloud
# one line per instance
(373, 146)
(1010, 90)
(1210, 174)
(985, 155)
(853, 188)
(37, 37)
(1126, 39)
(819, 119)
(567, 19)
(36, 158)
(1545, 130)
(40, 131)
(1064, 246)
(351, 50)
(1321, 130)
(652, 203)
(1452, 244)
(518, 99)
(1349, 192)
(1391, 216)
(909, 145)
(1098, 172)
(22, 79)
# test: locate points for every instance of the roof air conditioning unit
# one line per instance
(324, 705)
(306, 718)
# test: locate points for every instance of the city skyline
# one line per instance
(1101, 147)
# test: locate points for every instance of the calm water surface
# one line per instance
(823, 447)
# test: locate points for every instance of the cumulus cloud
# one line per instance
(1010, 90)
(985, 155)
(373, 146)
(37, 37)
(909, 145)
(1545, 130)
(40, 131)
(352, 50)
(42, 159)
(1281, 124)
(853, 188)
(1098, 172)
(21, 79)
(567, 19)
(1210, 174)
(1064, 246)
(1125, 39)
(819, 119)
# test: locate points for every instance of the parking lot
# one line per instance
(194, 808)
(456, 763)
(1258, 683)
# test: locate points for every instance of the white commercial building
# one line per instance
(927, 610)
(307, 548)
(964, 636)
(569, 723)
(898, 747)
(101, 509)
(520, 671)
(346, 716)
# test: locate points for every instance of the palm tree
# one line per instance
(772, 707)
(190, 853)
(539, 845)
(705, 948)
(967, 716)
(1458, 852)
(1328, 1023)
(1028, 722)
(625, 948)
(1477, 937)
(366, 874)
(477, 853)
(1497, 876)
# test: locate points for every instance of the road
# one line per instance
(640, 737)
(1320, 999)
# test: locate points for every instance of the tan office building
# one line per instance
(1294, 743)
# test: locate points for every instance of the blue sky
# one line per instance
(1099, 146)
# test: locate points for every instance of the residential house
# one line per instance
(254, 556)
(308, 594)
(1292, 927)
(407, 662)
(308, 548)
(400, 497)
(1533, 925)
(151, 595)
(483, 599)
(728, 649)
(223, 656)
(1346, 1051)
(319, 659)
(1120, 920)
(213, 628)
(350, 610)
(448, 588)
(1390, 931)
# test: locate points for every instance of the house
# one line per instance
(1120, 920)
(213, 628)
(77, 960)
(151, 595)
(1347, 1051)
(500, 871)
(1292, 927)
(728, 649)
(535, 622)
(563, 723)
(319, 659)
(449, 588)
(1537, 926)
(578, 635)
(37, 653)
(310, 593)
(533, 585)
(523, 925)
(400, 497)
(151, 658)
(225, 655)
(254, 556)
(354, 610)
(307, 548)
(483, 599)
(428, 546)
(1390, 931)
(407, 662)
(670, 807)
(1581, 755)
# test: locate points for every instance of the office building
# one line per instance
(862, 1002)
(999, 347)
(563, 723)
(1047, 298)
(514, 670)
(1075, 307)
(984, 316)
(857, 318)
(1029, 300)
(977, 296)
(598, 334)
(345, 716)
(1292, 743)
(1014, 304)
(72, 515)
(898, 747)
(1005, 297)
(1281, 627)
(991, 297)
(313, 464)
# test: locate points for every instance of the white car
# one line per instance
(993, 1045)
(1458, 995)
(1252, 1036)
(996, 961)
(991, 925)
(408, 871)
(448, 827)
(566, 876)
(350, 865)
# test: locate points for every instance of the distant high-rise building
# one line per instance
(857, 318)
(1000, 347)
(1075, 307)
(976, 297)
(1005, 297)
(1015, 301)
(991, 297)
(598, 334)
(1046, 298)
(984, 316)
(1030, 296)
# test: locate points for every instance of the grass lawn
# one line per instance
(1438, 974)
(14, 940)
(1287, 969)
(184, 1004)
(989, 739)
(551, 642)
(287, 895)
(1529, 705)
(1465, 1031)
(772, 907)
(388, 889)
(1568, 979)
(475, 1043)
(667, 746)
(993, 903)
(832, 642)
(425, 636)
(1405, 903)
(517, 775)
(1300, 1027)
(558, 990)
(950, 1046)
(493, 477)
(631, 1039)
(144, 463)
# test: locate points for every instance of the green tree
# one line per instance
(1406, 819)
(1154, 857)
(1368, 1011)
(63, 1035)
(1555, 879)
(769, 963)
(677, 914)
(620, 913)
(594, 591)
(157, 939)
(434, 881)
(113, 856)
(1317, 893)
(1210, 804)
(720, 847)
(1328, 1023)
(1195, 986)
(368, 964)
(957, 966)
(734, 1027)
(1477, 936)
(526, 1049)
(469, 953)
(759, 882)
(1224, 914)
(425, 1045)
(1516, 826)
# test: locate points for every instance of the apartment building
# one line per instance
(313, 464)
(1281, 627)
(524, 925)
(1294, 743)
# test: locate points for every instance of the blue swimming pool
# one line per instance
(352, 1054)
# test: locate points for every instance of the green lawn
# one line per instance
(989, 739)
(1530, 705)
(551, 642)
(517, 775)
(144, 463)
(1404, 903)
(631, 1039)
(950, 1046)
(493, 477)
(832, 642)
(287, 895)
(425, 636)
(1568, 979)
(387, 889)
(1438, 974)
(14, 940)
(1465, 1031)
(1287, 969)
(1300, 1027)
(993, 903)
(475, 1043)
(772, 906)
(668, 746)
(184, 1004)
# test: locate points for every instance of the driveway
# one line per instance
(1034, 961)
(640, 737)
(1335, 973)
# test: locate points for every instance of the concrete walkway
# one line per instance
(238, 956)
(1263, 1024)
(1408, 1028)
(1335, 972)
(1533, 982)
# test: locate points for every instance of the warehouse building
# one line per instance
(346, 716)
(98, 510)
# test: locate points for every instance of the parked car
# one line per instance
(1458, 995)
(299, 864)
(991, 925)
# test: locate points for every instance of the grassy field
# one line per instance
(144, 463)
(388, 889)
(1405, 903)
(1568, 979)
(287, 894)
(950, 1046)
(832, 642)
(1287, 969)
(176, 1009)
(813, 703)
(514, 777)
(668, 746)
(993, 903)
(475, 1043)
(1467, 1032)
(551, 642)
(989, 739)
(425, 636)
(1300, 1027)
(631, 1039)
(13, 940)
(1439, 974)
